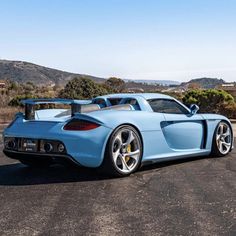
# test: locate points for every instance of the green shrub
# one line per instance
(228, 110)
(82, 88)
(115, 85)
(15, 102)
(209, 101)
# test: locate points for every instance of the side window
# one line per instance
(132, 102)
(114, 101)
(167, 106)
(101, 102)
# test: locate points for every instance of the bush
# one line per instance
(82, 88)
(209, 101)
(228, 110)
(115, 85)
(15, 102)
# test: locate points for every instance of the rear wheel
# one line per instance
(123, 152)
(222, 140)
(36, 163)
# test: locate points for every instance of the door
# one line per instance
(181, 130)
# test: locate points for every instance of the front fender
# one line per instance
(212, 122)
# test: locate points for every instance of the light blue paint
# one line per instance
(164, 136)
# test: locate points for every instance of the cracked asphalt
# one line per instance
(185, 197)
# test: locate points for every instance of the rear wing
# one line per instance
(77, 106)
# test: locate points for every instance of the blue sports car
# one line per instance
(117, 133)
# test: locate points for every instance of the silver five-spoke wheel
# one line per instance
(222, 139)
(124, 151)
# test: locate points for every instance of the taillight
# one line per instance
(76, 124)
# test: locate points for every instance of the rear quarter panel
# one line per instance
(147, 123)
(143, 120)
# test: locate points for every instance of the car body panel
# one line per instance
(87, 148)
(183, 132)
(164, 136)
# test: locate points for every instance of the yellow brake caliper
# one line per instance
(128, 150)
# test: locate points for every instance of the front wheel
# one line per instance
(123, 152)
(222, 140)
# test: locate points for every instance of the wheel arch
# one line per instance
(231, 128)
(117, 127)
(215, 129)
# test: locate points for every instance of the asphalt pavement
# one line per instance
(186, 197)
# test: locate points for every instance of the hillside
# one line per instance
(205, 83)
(20, 71)
(154, 82)
(147, 87)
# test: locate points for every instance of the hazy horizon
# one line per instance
(152, 40)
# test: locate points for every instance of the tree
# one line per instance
(194, 86)
(28, 87)
(210, 100)
(82, 88)
(16, 101)
(12, 85)
(115, 85)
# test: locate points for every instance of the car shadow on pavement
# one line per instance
(18, 174)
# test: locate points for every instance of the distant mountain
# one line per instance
(205, 83)
(20, 71)
(160, 82)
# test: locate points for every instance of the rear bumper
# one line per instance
(84, 147)
(56, 158)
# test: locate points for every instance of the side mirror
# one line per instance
(194, 109)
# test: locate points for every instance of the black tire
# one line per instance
(36, 163)
(108, 166)
(215, 151)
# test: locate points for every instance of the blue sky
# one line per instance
(134, 39)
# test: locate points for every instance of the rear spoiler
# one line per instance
(29, 104)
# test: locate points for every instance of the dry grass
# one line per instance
(1, 130)
(7, 114)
